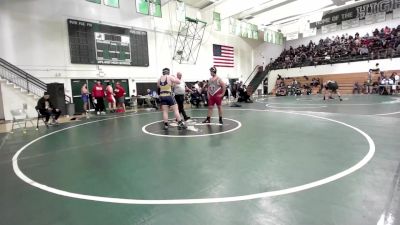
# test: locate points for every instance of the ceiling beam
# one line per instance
(265, 7)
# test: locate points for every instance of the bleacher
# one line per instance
(346, 81)
(381, 44)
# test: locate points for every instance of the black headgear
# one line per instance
(165, 71)
(213, 69)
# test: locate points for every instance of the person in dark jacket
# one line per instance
(46, 108)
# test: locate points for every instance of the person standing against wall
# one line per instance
(120, 96)
(85, 98)
(98, 97)
(180, 90)
(110, 97)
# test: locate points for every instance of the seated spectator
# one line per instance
(387, 30)
(398, 49)
(281, 91)
(243, 95)
(46, 109)
(363, 50)
(396, 82)
(307, 89)
(356, 88)
(195, 97)
(390, 52)
(383, 44)
(151, 98)
(383, 88)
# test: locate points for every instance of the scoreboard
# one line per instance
(111, 48)
(93, 43)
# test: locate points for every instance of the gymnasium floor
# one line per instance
(278, 161)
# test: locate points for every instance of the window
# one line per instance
(112, 3)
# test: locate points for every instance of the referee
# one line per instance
(179, 91)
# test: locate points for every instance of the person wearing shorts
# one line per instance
(120, 96)
(332, 86)
(165, 84)
(85, 98)
(215, 93)
(110, 98)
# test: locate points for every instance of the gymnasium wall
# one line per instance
(1, 106)
(266, 51)
(34, 36)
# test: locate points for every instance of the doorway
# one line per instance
(76, 85)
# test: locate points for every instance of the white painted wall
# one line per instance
(1, 106)
(34, 36)
(265, 52)
(13, 99)
(354, 67)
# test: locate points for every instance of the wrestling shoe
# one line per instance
(181, 125)
(207, 120)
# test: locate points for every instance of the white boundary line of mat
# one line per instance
(290, 190)
(328, 103)
(295, 107)
(194, 135)
(385, 114)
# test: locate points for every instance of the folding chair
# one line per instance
(40, 117)
(20, 116)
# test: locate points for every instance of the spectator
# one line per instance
(151, 99)
(47, 109)
(98, 97)
(243, 95)
(85, 98)
(195, 97)
(110, 98)
(120, 97)
(356, 88)
(382, 44)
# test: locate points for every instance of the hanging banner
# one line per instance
(396, 13)
(309, 32)
(232, 26)
(279, 38)
(268, 35)
(292, 36)
(375, 18)
(273, 37)
(330, 28)
(347, 24)
(238, 28)
(180, 11)
(243, 29)
(360, 12)
(155, 8)
(217, 21)
(254, 30)
(149, 7)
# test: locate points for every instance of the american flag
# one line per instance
(224, 56)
